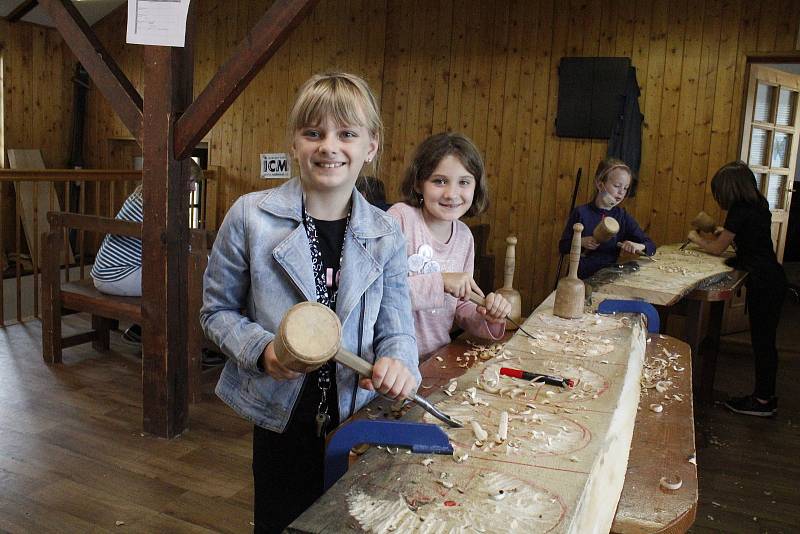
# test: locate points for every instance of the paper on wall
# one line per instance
(157, 22)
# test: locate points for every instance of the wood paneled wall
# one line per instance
(489, 69)
(37, 101)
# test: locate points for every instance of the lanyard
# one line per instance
(326, 290)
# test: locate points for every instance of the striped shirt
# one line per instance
(120, 255)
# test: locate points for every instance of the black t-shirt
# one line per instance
(280, 456)
(752, 224)
(330, 238)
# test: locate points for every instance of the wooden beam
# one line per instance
(105, 72)
(169, 73)
(21, 10)
(253, 52)
(165, 243)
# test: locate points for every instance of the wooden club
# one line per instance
(571, 292)
(507, 291)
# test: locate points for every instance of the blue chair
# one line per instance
(633, 306)
(422, 438)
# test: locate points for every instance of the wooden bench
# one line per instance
(81, 295)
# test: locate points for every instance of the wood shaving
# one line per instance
(480, 433)
(671, 484)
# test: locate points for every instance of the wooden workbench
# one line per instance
(662, 445)
(698, 292)
(674, 274)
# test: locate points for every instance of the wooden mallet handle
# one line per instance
(510, 263)
(575, 251)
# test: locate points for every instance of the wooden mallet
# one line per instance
(606, 229)
(310, 334)
(507, 291)
(571, 292)
(702, 222)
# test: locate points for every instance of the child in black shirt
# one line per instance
(748, 227)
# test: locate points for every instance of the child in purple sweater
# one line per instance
(612, 179)
(445, 181)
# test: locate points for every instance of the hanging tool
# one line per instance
(297, 349)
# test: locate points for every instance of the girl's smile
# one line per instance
(331, 155)
(447, 194)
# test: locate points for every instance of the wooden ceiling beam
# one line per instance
(21, 10)
(105, 72)
(258, 46)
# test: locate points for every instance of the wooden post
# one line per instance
(165, 239)
(51, 293)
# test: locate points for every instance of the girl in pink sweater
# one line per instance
(445, 181)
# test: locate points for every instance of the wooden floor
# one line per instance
(749, 467)
(73, 459)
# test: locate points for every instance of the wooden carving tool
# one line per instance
(310, 334)
(640, 253)
(480, 301)
(606, 229)
(571, 292)
(507, 291)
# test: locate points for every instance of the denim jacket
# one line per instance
(261, 263)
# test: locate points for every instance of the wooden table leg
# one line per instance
(101, 327)
(693, 331)
(695, 309)
(663, 317)
(708, 361)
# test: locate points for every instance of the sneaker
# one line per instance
(133, 335)
(749, 405)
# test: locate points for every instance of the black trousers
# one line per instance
(764, 311)
(289, 468)
(287, 476)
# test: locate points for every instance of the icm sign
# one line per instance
(276, 165)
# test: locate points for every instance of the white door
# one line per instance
(769, 147)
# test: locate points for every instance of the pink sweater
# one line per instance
(434, 310)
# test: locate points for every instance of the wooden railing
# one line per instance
(86, 192)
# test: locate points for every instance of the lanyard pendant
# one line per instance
(322, 420)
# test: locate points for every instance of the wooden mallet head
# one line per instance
(606, 229)
(704, 223)
(309, 335)
(571, 292)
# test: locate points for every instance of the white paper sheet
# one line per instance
(157, 22)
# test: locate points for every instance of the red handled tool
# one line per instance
(547, 379)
